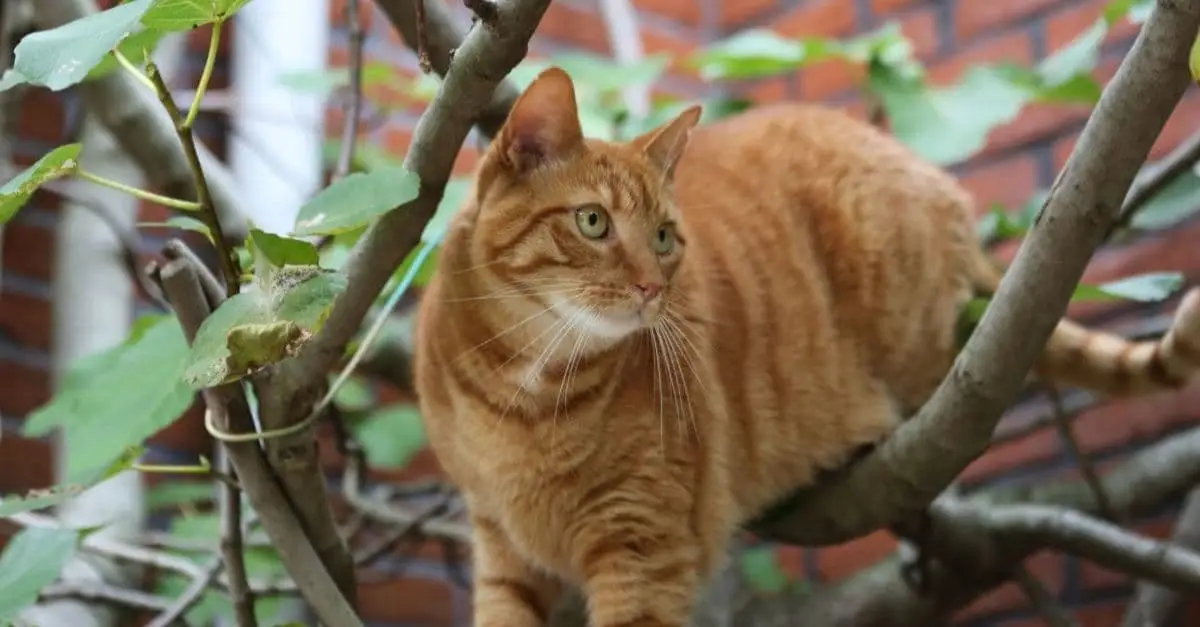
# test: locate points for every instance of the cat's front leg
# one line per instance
(640, 573)
(508, 592)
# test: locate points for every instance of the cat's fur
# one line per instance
(810, 302)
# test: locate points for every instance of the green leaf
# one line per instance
(353, 395)
(391, 436)
(1151, 287)
(118, 399)
(760, 567)
(57, 163)
(135, 47)
(1078, 57)
(34, 559)
(1174, 203)
(949, 125)
(281, 251)
(260, 327)
(63, 56)
(38, 499)
(756, 53)
(356, 200)
(176, 15)
(1194, 59)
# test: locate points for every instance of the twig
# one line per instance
(353, 108)
(1062, 421)
(382, 512)
(213, 292)
(922, 457)
(208, 212)
(134, 599)
(445, 35)
(190, 597)
(1041, 599)
(422, 40)
(230, 506)
(1158, 176)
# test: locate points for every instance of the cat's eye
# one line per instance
(592, 221)
(664, 239)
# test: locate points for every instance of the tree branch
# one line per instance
(1157, 605)
(143, 130)
(1042, 600)
(926, 453)
(331, 599)
(443, 36)
(353, 108)
(487, 55)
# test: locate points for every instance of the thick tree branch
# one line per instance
(443, 35)
(925, 454)
(330, 598)
(488, 54)
(880, 597)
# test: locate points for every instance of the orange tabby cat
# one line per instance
(628, 349)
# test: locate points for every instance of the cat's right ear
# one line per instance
(543, 125)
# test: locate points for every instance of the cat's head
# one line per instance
(587, 228)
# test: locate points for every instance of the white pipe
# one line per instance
(277, 165)
(625, 37)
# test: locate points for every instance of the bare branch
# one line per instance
(926, 453)
(422, 39)
(485, 58)
(1041, 599)
(229, 503)
(1155, 605)
(190, 597)
(1062, 421)
(133, 599)
(353, 108)
(1156, 177)
(444, 35)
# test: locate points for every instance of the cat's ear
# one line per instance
(664, 145)
(543, 124)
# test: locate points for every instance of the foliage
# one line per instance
(33, 559)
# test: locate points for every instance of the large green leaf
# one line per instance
(262, 326)
(391, 436)
(118, 398)
(34, 559)
(281, 251)
(175, 15)
(1145, 288)
(16, 192)
(356, 200)
(756, 53)
(63, 56)
(761, 568)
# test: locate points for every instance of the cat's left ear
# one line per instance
(664, 145)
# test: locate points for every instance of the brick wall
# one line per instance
(1020, 158)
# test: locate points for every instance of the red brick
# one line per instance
(26, 319)
(1004, 598)
(685, 12)
(1182, 124)
(765, 91)
(25, 464)
(791, 560)
(25, 388)
(841, 561)
(822, 18)
(28, 250)
(366, 14)
(1064, 26)
(40, 117)
(1172, 250)
(1120, 421)
(920, 27)
(1035, 447)
(1035, 123)
(1009, 182)
(1013, 47)
(972, 17)
(571, 24)
(1108, 614)
(736, 11)
(826, 79)
(408, 600)
(884, 6)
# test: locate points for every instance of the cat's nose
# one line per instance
(648, 290)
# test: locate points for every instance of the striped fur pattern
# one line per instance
(630, 348)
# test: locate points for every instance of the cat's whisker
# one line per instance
(510, 294)
(538, 364)
(654, 350)
(510, 329)
(680, 357)
(572, 365)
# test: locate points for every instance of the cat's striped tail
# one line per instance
(1109, 364)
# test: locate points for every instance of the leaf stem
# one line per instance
(133, 70)
(166, 201)
(214, 43)
(207, 211)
